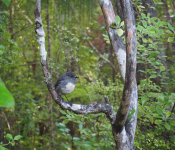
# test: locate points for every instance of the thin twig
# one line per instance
(86, 92)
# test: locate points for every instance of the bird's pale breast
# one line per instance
(69, 88)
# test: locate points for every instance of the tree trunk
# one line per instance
(168, 18)
(1, 129)
(50, 98)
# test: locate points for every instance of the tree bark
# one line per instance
(123, 131)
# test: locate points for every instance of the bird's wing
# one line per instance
(59, 81)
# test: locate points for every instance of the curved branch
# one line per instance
(96, 107)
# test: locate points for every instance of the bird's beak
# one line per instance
(76, 77)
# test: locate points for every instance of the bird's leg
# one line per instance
(68, 101)
(66, 98)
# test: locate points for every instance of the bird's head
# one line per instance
(71, 75)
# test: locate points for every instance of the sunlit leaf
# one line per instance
(6, 99)
(118, 19)
(80, 126)
(9, 137)
(162, 68)
(122, 23)
(65, 121)
(168, 114)
(170, 39)
(17, 137)
(120, 32)
(144, 23)
(61, 125)
(170, 26)
(158, 122)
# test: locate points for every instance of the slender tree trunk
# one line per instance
(17, 133)
(50, 98)
(1, 129)
(168, 18)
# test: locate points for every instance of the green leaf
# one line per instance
(159, 111)
(153, 18)
(60, 131)
(151, 119)
(144, 23)
(170, 39)
(101, 118)
(144, 40)
(17, 137)
(172, 123)
(9, 137)
(162, 68)
(170, 26)
(169, 93)
(167, 126)
(122, 23)
(1, 52)
(130, 116)
(6, 2)
(105, 35)
(67, 130)
(61, 125)
(76, 138)
(65, 121)
(152, 55)
(6, 99)
(118, 19)
(63, 112)
(113, 26)
(168, 114)
(151, 108)
(3, 148)
(80, 126)
(153, 76)
(132, 112)
(1, 47)
(120, 32)
(13, 144)
(143, 15)
(143, 99)
(158, 122)
(139, 28)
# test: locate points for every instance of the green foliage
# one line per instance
(117, 24)
(11, 140)
(21, 72)
(155, 127)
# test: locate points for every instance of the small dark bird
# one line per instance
(66, 83)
